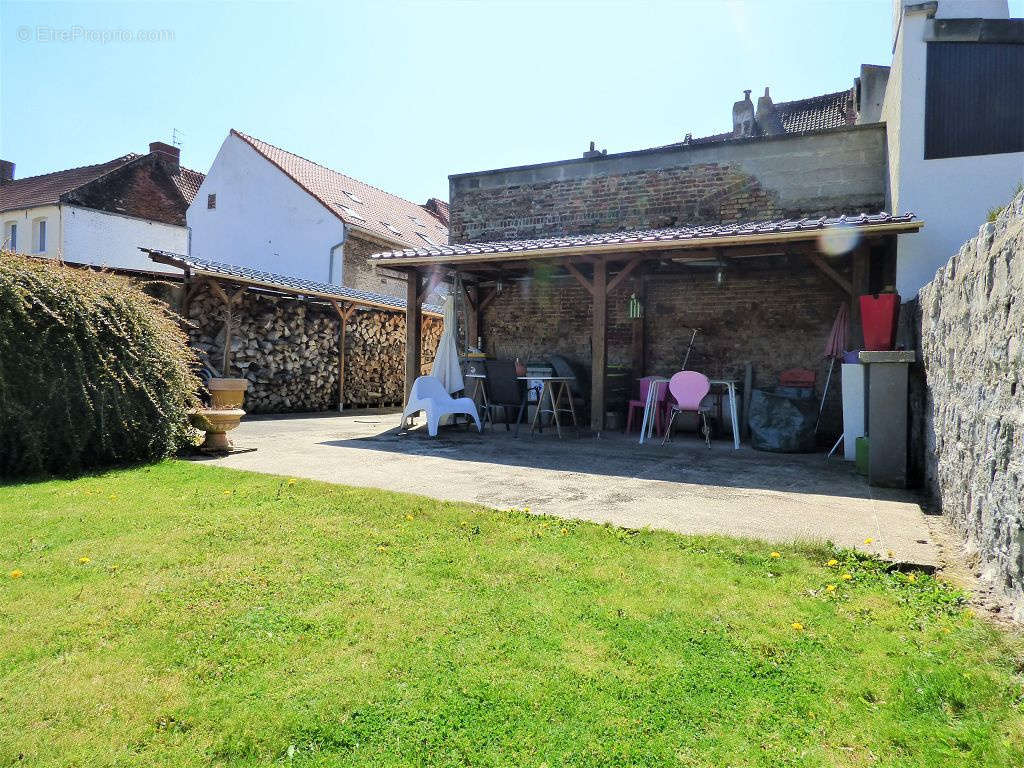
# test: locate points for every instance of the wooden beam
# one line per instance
(818, 261)
(599, 340)
(343, 317)
(413, 319)
(628, 267)
(571, 269)
(486, 300)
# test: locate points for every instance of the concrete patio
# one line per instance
(682, 486)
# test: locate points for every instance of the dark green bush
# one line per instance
(93, 372)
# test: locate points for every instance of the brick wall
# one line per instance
(141, 189)
(774, 314)
(359, 274)
(697, 194)
(825, 172)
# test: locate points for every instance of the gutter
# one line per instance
(330, 261)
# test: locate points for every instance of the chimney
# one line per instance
(768, 119)
(594, 152)
(6, 171)
(743, 122)
(165, 153)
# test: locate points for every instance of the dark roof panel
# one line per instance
(667, 235)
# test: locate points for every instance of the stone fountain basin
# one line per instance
(216, 419)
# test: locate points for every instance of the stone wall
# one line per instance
(360, 274)
(825, 172)
(774, 313)
(972, 349)
(288, 349)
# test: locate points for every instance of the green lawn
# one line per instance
(182, 615)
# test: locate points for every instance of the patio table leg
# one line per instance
(732, 410)
(540, 404)
(572, 408)
(648, 420)
(554, 407)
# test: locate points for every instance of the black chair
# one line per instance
(505, 391)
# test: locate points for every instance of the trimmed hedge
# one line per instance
(93, 372)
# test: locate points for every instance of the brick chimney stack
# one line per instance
(170, 156)
(743, 123)
(6, 171)
(768, 121)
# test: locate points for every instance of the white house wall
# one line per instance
(25, 218)
(262, 218)
(112, 240)
(953, 195)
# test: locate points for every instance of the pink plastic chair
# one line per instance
(688, 388)
(659, 403)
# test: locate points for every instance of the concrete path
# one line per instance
(681, 487)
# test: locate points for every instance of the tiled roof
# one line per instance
(48, 188)
(187, 181)
(359, 205)
(282, 283)
(826, 111)
(753, 230)
(830, 110)
(440, 210)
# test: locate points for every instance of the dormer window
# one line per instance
(353, 196)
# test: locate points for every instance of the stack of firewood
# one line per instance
(288, 349)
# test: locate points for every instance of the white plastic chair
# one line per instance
(429, 395)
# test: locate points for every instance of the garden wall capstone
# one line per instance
(972, 349)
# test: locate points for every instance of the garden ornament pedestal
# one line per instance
(216, 422)
(225, 413)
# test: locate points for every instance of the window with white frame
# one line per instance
(39, 236)
(11, 236)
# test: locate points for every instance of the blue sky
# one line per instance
(401, 94)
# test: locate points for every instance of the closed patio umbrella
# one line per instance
(446, 362)
(835, 346)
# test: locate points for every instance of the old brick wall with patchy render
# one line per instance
(776, 315)
(821, 173)
(972, 349)
(360, 274)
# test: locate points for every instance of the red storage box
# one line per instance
(878, 316)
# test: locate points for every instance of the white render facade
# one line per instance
(260, 218)
(88, 236)
(952, 194)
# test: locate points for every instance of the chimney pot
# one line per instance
(167, 154)
(6, 171)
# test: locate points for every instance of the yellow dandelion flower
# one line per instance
(832, 563)
(889, 553)
(463, 523)
(912, 577)
(227, 493)
(114, 567)
(830, 588)
(776, 554)
(16, 574)
(113, 497)
(946, 630)
(797, 626)
(85, 560)
(565, 531)
(846, 577)
(868, 541)
(382, 548)
(292, 481)
(410, 518)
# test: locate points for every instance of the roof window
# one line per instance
(353, 196)
(427, 239)
(349, 212)
(391, 229)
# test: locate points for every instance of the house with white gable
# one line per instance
(101, 214)
(261, 207)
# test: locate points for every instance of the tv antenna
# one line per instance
(176, 136)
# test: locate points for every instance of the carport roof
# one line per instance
(281, 283)
(669, 238)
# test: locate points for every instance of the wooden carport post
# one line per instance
(413, 323)
(599, 345)
(343, 316)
